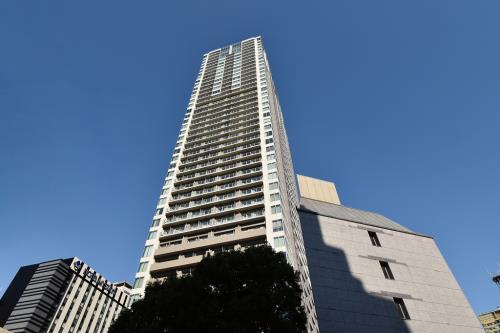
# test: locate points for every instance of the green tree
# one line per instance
(254, 290)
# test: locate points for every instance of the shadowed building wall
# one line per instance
(370, 274)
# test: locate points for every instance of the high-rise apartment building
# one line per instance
(61, 296)
(230, 183)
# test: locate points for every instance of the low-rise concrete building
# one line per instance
(370, 274)
(61, 296)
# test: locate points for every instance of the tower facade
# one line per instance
(230, 183)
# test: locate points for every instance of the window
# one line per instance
(275, 196)
(155, 223)
(152, 234)
(276, 209)
(138, 282)
(387, 270)
(400, 305)
(273, 175)
(273, 186)
(270, 140)
(159, 211)
(277, 225)
(269, 148)
(162, 202)
(272, 165)
(279, 241)
(143, 266)
(374, 238)
(147, 251)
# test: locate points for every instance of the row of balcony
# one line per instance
(216, 147)
(206, 111)
(209, 98)
(216, 190)
(216, 199)
(215, 211)
(233, 175)
(225, 125)
(219, 154)
(217, 186)
(233, 131)
(221, 161)
(225, 138)
(247, 216)
(227, 114)
(189, 246)
(183, 177)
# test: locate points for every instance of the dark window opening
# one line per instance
(374, 238)
(387, 270)
(400, 305)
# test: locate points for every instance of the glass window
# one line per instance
(276, 209)
(152, 234)
(374, 238)
(279, 241)
(143, 266)
(277, 225)
(386, 269)
(273, 186)
(275, 196)
(138, 282)
(148, 250)
(272, 165)
(403, 311)
(155, 223)
(273, 175)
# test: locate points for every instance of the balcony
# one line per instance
(241, 234)
(214, 212)
(210, 201)
(216, 180)
(214, 223)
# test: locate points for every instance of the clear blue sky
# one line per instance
(395, 101)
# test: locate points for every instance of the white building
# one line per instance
(230, 183)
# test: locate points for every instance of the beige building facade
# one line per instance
(370, 274)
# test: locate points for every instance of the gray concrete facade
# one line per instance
(353, 293)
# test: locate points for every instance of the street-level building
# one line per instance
(490, 321)
(230, 183)
(370, 274)
(61, 296)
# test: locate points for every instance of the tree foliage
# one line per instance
(254, 290)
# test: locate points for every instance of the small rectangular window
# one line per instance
(273, 175)
(275, 196)
(277, 225)
(155, 223)
(276, 209)
(152, 234)
(273, 186)
(374, 238)
(279, 241)
(148, 250)
(271, 166)
(403, 311)
(143, 266)
(138, 282)
(387, 270)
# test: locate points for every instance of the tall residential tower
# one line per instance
(230, 183)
